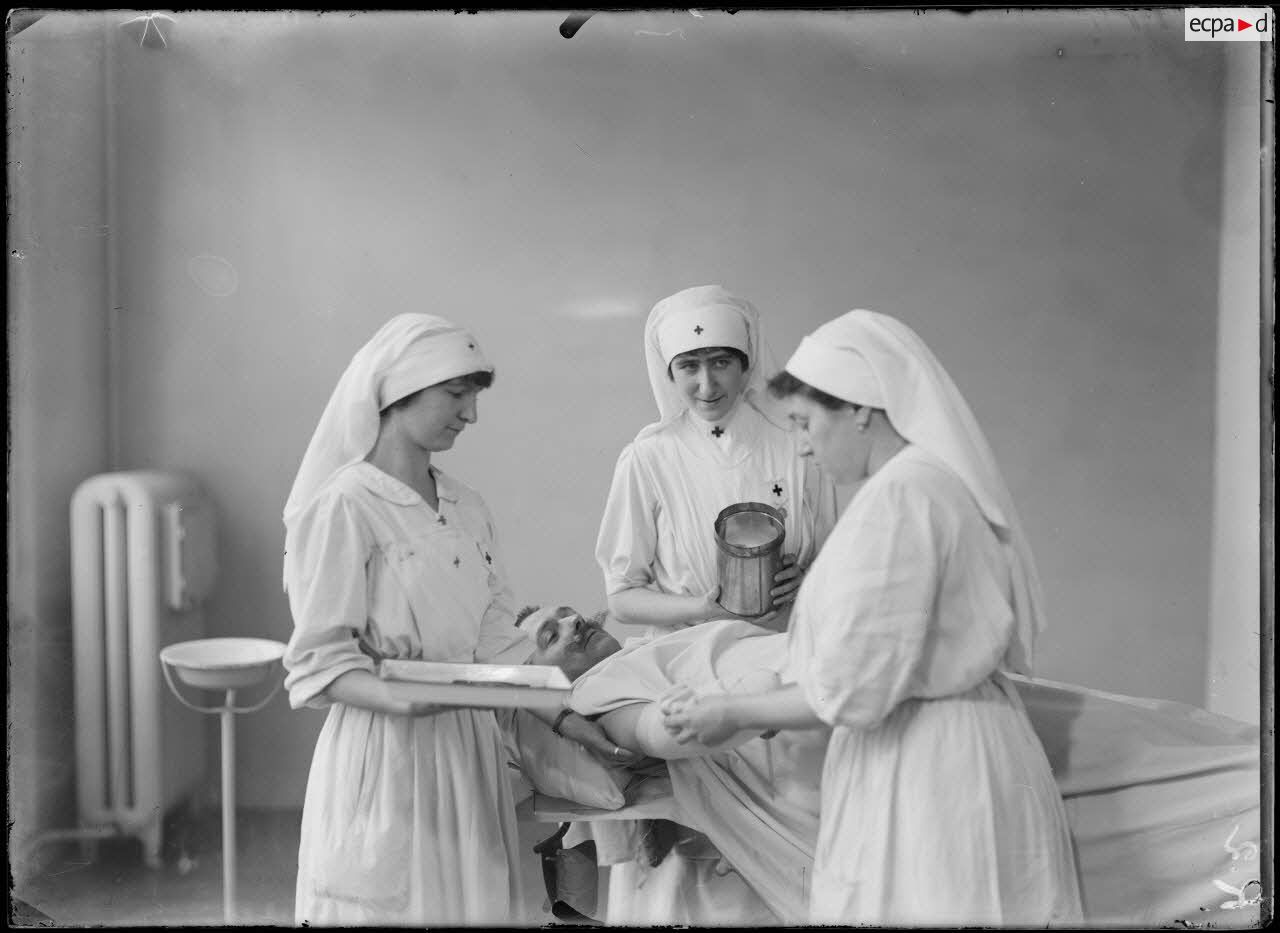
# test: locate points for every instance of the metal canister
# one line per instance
(749, 555)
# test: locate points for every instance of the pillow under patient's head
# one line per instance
(560, 767)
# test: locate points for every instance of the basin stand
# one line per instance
(227, 713)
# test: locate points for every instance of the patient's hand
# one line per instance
(693, 718)
(594, 739)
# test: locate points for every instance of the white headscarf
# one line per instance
(409, 352)
(870, 359)
(671, 329)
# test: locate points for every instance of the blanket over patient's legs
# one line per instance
(1163, 799)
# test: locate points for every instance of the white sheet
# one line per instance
(1162, 799)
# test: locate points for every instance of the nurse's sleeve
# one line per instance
(499, 641)
(325, 573)
(867, 619)
(628, 540)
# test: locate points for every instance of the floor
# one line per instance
(115, 888)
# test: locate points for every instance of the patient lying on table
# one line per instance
(756, 800)
(580, 646)
(1162, 798)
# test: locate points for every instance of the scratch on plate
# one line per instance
(1247, 850)
(73, 866)
(674, 32)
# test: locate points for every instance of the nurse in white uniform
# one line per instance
(409, 816)
(718, 441)
(938, 804)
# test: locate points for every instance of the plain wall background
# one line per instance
(1038, 194)
(1239, 572)
(58, 384)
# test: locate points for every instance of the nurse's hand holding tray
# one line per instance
(542, 689)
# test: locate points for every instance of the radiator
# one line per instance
(143, 561)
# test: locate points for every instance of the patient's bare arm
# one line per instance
(639, 726)
(596, 739)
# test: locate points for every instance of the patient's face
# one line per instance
(563, 638)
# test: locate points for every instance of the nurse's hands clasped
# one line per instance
(691, 717)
